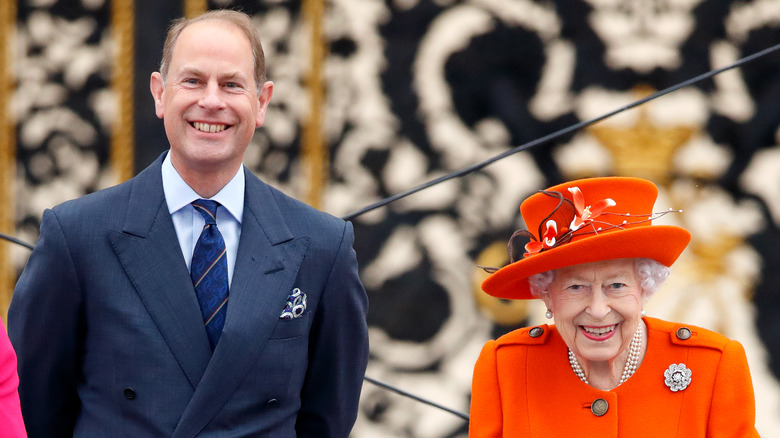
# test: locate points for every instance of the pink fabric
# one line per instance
(11, 423)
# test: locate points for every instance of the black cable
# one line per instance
(414, 397)
(474, 167)
(16, 241)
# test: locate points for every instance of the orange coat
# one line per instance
(524, 387)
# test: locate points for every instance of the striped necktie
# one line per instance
(208, 271)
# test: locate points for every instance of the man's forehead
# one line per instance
(207, 29)
(201, 34)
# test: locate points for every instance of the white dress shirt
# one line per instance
(189, 223)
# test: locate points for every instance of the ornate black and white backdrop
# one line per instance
(418, 88)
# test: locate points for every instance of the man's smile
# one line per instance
(209, 127)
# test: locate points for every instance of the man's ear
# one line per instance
(157, 87)
(264, 97)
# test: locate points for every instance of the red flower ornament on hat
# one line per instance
(587, 214)
(579, 214)
(548, 240)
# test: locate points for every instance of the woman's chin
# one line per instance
(601, 353)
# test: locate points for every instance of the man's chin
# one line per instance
(204, 159)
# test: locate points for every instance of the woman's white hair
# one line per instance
(651, 273)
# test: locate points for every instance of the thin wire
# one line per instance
(16, 241)
(414, 397)
(474, 167)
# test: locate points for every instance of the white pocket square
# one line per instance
(296, 305)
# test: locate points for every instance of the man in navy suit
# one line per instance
(105, 319)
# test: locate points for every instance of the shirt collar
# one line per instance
(178, 194)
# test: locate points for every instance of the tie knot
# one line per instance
(207, 209)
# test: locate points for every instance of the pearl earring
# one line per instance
(642, 313)
(548, 314)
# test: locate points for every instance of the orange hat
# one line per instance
(585, 221)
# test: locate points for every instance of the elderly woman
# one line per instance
(604, 369)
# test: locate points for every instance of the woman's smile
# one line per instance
(601, 333)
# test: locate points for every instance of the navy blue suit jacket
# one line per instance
(111, 341)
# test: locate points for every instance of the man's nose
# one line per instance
(212, 98)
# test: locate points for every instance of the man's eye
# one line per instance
(191, 81)
(232, 85)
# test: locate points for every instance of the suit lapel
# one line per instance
(149, 251)
(266, 267)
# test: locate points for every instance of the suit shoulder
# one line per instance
(534, 335)
(295, 208)
(109, 205)
(105, 200)
(688, 335)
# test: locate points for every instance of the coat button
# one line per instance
(129, 393)
(683, 333)
(272, 403)
(536, 332)
(599, 407)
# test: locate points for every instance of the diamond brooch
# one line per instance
(677, 377)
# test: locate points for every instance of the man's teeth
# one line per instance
(207, 127)
(599, 330)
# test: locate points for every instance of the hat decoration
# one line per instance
(584, 216)
(585, 221)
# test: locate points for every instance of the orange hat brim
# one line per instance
(663, 243)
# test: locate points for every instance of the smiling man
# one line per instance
(211, 95)
(194, 299)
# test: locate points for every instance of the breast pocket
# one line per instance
(291, 328)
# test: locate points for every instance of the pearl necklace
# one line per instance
(631, 363)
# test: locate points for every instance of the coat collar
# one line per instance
(149, 252)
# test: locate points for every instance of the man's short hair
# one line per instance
(237, 19)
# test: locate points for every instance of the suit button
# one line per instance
(599, 407)
(683, 333)
(272, 403)
(129, 393)
(536, 332)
